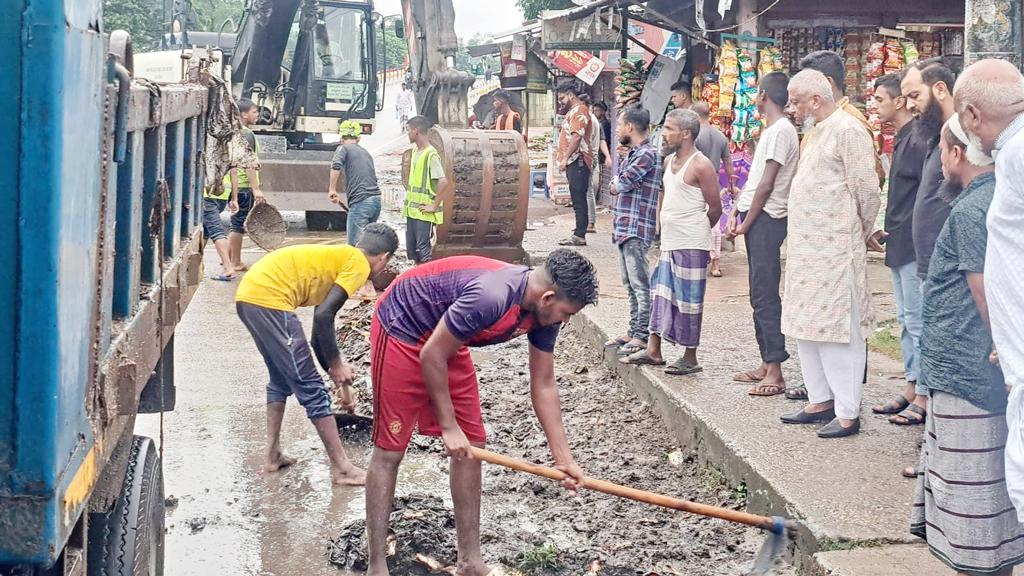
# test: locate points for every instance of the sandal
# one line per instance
(909, 472)
(573, 241)
(716, 273)
(641, 358)
(748, 377)
(616, 342)
(767, 390)
(894, 407)
(223, 277)
(629, 348)
(682, 367)
(798, 393)
(911, 416)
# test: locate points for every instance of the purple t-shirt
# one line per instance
(479, 298)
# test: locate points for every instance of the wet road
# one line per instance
(230, 520)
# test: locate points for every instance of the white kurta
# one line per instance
(833, 203)
(1004, 291)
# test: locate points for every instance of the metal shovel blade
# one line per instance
(770, 552)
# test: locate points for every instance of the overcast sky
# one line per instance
(471, 16)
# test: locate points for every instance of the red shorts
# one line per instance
(400, 399)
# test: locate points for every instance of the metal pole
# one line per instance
(993, 29)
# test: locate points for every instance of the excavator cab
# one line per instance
(308, 65)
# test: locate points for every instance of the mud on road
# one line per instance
(530, 524)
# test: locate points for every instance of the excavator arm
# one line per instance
(442, 92)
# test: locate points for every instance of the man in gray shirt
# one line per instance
(713, 144)
(362, 194)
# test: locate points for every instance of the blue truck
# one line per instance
(100, 239)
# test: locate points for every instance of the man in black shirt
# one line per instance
(362, 194)
(904, 180)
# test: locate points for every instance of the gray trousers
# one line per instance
(417, 240)
(636, 278)
(764, 244)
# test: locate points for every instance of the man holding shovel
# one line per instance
(423, 375)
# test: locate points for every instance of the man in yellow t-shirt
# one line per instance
(317, 275)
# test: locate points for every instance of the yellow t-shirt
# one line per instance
(302, 275)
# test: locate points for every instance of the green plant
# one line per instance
(885, 340)
(537, 558)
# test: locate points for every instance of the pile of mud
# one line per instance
(422, 529)
(532, 526)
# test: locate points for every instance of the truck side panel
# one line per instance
(87, 322)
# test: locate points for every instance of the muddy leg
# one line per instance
(343, 472)
(275, 459)
(465, 486)
(380, 493)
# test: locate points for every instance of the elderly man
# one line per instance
(990, 98)
(833, 202)
(831, 65)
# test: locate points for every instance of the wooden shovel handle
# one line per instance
(627, 492)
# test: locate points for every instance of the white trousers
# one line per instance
(834, 371)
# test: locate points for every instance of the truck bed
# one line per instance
(100, 259)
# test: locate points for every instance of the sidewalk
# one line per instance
(848, 496)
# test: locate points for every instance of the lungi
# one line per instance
(678, 284)
(961, 506)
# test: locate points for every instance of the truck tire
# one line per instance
(320, 221)
(128, 540)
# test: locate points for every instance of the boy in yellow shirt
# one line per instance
(317, 275)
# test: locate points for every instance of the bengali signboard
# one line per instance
(598, 30)
(580, 64)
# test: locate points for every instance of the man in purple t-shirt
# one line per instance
(424, 378)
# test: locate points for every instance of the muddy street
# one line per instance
(226, 518)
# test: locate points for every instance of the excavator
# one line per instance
(311, 64)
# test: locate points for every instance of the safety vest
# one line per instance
(506, 121)
(240, 174)
(421, 189)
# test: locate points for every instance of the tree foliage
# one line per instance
(532, 8)
(395, 49)
(147, 21)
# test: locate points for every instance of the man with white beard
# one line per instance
(990, 99)
(834, 200)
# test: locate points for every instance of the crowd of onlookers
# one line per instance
(953, 238)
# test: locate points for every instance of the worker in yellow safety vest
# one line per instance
(424, 207)
(505, 117)
(246, 181)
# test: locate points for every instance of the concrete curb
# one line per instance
(812, 547)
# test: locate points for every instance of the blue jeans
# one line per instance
(364, 212)
(637, 280)
(906, 286)
(213, 228)
(245, 202)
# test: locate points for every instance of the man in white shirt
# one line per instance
(761, 215)
(989, 97)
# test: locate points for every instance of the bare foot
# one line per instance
(480, 569)
(349, 476)
(278, 462)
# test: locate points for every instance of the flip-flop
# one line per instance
(747, 377)
(716, 274)
(682, 367)
(798, 393)
(628, 349)
(909, 472)
(904, 418)
(641, 358)
(893, 407)
(767, 390)
(616, 342)
(223, 278)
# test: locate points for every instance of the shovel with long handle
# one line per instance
(775, 525)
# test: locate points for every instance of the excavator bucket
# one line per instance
(490, 173)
